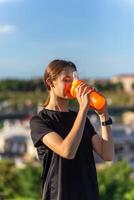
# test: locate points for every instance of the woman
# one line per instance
(65, 139)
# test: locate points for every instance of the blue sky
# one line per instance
(97, 35)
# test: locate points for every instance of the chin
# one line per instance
(67, 97)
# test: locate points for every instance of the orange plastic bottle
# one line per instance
(97, 101)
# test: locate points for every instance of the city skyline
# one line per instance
(98, 36)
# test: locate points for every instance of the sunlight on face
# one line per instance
(67, 74)
(63, 81)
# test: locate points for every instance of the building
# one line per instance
(124, 142)
(16, 140)
(127, 81)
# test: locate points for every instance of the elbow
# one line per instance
(108, 158)
(68, 151)
(68, 155)
(109, 155)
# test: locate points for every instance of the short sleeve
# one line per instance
(91, 128)
(39, 128)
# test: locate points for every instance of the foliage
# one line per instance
(21, 85)
(16, 93)
(108, 86)
(29, 179)
(133, 85)
(37, 84)
(8, 179)
(115, 183)
(1, 124)
(18, 183)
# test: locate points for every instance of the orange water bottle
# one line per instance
(97, 101)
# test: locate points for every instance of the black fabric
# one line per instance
(64, 179)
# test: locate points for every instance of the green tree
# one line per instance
(19, 183)
(29, 179)
(108, 86)
(133, 86)
(115, 182)
(21, 85)
(8, 179)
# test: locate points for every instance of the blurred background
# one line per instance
(98, 36)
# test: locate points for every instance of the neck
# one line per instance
(58, 104)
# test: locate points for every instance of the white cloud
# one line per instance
(7, 28)
(7, 1)
(3, 1)
(128, 2)
(125, 2)
(122, 3)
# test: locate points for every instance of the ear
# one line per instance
(50, 83)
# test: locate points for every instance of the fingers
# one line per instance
(83, 89)
(89, 90)
(86, 91)
(80, 88)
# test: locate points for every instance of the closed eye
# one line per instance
(67, 79)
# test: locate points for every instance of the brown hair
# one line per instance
(52, 71)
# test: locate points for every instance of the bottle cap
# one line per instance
(75, 76)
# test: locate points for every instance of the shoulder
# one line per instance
(40, 125)
(34, 119)
(40, 117)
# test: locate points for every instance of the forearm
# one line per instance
(71, 143)
(107, 140)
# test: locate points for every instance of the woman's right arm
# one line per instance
(67, 147)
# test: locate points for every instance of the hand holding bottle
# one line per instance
(82, 95)
(96, 100)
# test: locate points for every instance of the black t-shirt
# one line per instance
(64, 179)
